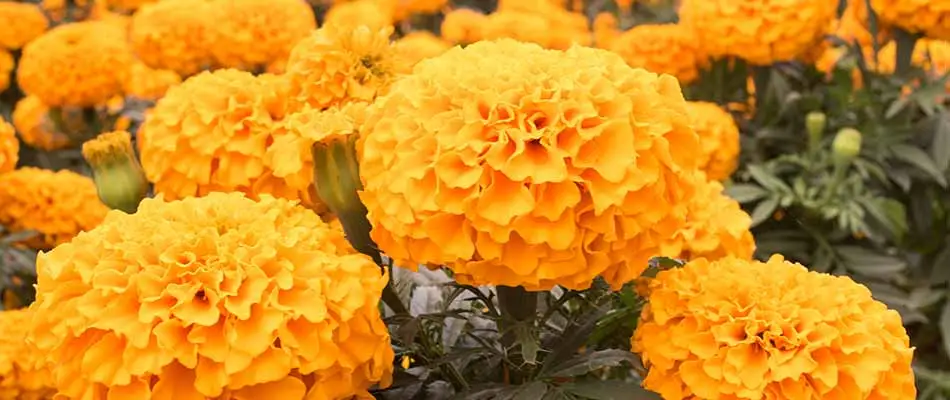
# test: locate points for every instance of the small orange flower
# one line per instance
(665, 49)
(419, 45)
(9, 147)
(606, 30)
(149, 84)
(376, 14)
(33, 125)
(719, 136)
(174, 35)
(553, 29)
(20, 23)
(20, 378)
(250, 34)
(463, 26)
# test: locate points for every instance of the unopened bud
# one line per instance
(847, 145)
(119, 177)
(815, 123)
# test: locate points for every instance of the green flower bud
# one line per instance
(119, 177)
(815, 123)
(847, 145)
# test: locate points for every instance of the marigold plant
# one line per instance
(753, 330)
(21, 378)
(760, 31)
(250, 34)
(512, 165)
(929, 17)
(668, 49)
(174, 34)
(20, 23)
(57, 205)
(79, 64)
(719, 136)
(217, 297)
(9, 147)
(33, 125)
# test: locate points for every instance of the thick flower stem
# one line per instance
(518, 313)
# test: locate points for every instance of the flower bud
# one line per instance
(119, 177)
(815, 123)
(847, 145)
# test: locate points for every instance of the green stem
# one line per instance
(518, 311)
(906, 42)
(836, 180)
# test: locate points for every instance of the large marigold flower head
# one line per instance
(338, 63)
(751, 330)
(419, 45)
(376, 14)
(667, 49)
(57, 205)
(250, 34)
(33, 125)
(928, 17)
(463, 26)
(7, 64)
(514, 165)
(147, 83)
(174, 34)
(216, 297)
(20, 23)
(79, 64)
(760, 31)
(719, 136)
(21, 377)
(9, 147)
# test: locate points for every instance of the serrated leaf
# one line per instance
(585, 363)
(940, 148)
(744, 193)
(764, 210)
(869, 262)
(918, 158)
(609, 390)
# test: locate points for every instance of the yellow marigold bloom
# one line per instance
(79, 64)
(606, 30)
(376, 14)
(760, 31)
(419, 45)
(513, 165)
(218, 297)
(666, 49)
(719, 136)
(31, 119)
(751, 330)
(20, 377)
(928, 17)
(149, 84)
(20, 23)
(558, 29)
(212, 133)
(337, 63)
(58, 204)
(7, 64)
(463, 26)
(9, 147)
(174, 34)
(250, 34)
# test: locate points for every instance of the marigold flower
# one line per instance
(126, 6)
(463, 26)
(752, 330)
(667, 49)
(216, 297)
(422, 6)
(20, 378)
(119, 178)
(557, 29)
(376, 14)
(7, 64)
(719, 136)
(31, 119)
(174, 34)
(929, 17)
(523, 181)
(931, 55)
(760, 31)
(9, 147)
(419, 45)
(147, 83)
(250, 34)
(20, 23)
(338, 63)
(853, 25)
(58, 204)
(79, 64)
(606, 30)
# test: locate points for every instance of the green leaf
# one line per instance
(869, 262)
(767, 180)
(744, 193)
(764, 210)
(940, 148)
(17, 237)
(528, 343)
(940, 273)
(585, 363)
(609, 390)
(532, 391)
(945, 325)
(919, 159)
(575, 335)
(888, 212)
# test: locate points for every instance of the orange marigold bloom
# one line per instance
(463, 26)
(931, 55)
(751, 330)
(557, 29)
(337, 63)
(929, 17)
(150, 84)
(219, 297)
(58, 204)
(376, 14)
(33, 125)
(250, 34)
(9, 147)
(853, 25)
(760, 31)
(719, 136)
(20, 377)
(212, 133)
(174, 34)
(7, 64)
(606, 30)
(419, 45)
(666, 49)
(20, 23)
(515, 165)
(79, 64)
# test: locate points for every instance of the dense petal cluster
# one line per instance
(516, 165)
(760, 31)
(20, 23)
(250, 34)
(928, 17)
(79, 64)
(9, 147)
(219, 297)
(338, 63)
(742, 329)
(33, 125)
(58, 205)
(420, 45)
(174, 34)
(212, 133)
(719, 136)
(21, 378)
(147, 83)
(665, 49)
